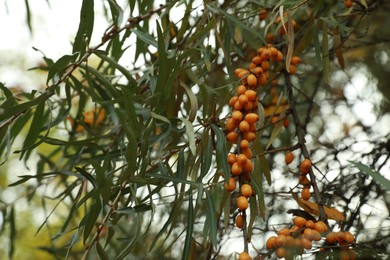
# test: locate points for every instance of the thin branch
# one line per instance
(300, 131)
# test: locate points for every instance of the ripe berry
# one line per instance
(251, 118)
(305, 194)
(242, 203)
(299, 221)
(246, 190)
(252, 80)
(263, 14)
(305, 166)
(236, 169)
(232, 158)
(240, 221)
(244, 256)
(289, 157)
(242, 159)
(320, 226)
(231, 185)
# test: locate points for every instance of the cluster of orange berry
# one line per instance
(293, 241)
(241, 125)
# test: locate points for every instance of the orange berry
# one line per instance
(238, 71)
(299, 221)
(238, 105)
(281, 240)
(230, 185)
(231, 158)
(270, 242)
(303, 180)
(331, 237)
(312, 234)
(251, 118)
(249, 106)
(305, 194)
(292, 69)
(249, 135)
(247, 152)
(244, 144)
(233, 101)
(289, 157)
(306, 243)
(265, 65)
(280, 252)
(241, 89)
(242, 73)
(242, 203)
(244, 126)
(284, 231)
(230, 125)
(252, 80)
(295, 60)
(320, 226)
(236, 169)
(248, 167)
(237, 115)
(256, 60)
(348, 3)
(232, 137)
(310, 224)
(252, 66)
(252, 127)
(242, 159)
(244, 256)
(257, 71)
(262, 79)
(240, 221)
(243, 99)
(246, 190)
(305, 166)
(294, 228)
(251, 95)
(279, 57)
(263, 14)
(265, 54)
(348, 237)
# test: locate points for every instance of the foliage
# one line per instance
(130, 160)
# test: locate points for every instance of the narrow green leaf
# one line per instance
(145, 37)
(59, 67)
(88, 176)
(221, 151)
(378, 178)
(119, 67)
(90, 219)
(258, 186)
(212, 218)
(190, 132)
(193, 102)
(136, 209)
(28, 15)
(35, 129)
(85, 29)
(190, 227)
(100, 250)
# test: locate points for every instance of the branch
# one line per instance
(302, 142)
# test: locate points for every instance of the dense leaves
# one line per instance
(129, 160)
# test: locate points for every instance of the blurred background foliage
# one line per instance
(122, 155)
